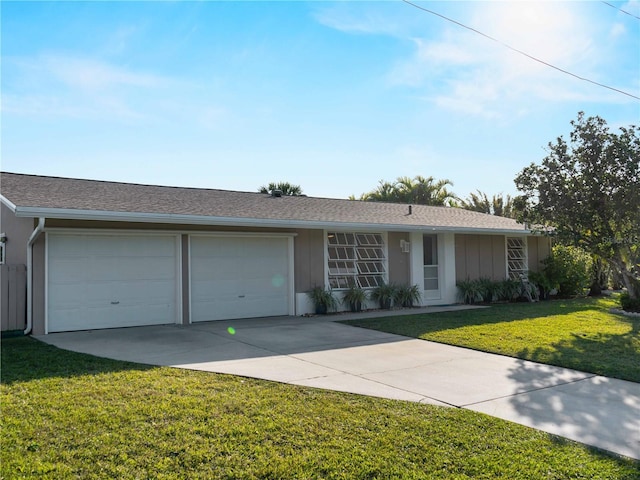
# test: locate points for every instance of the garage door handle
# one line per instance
(115, 303)
(240, 296)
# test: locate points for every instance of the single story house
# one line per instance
(99, 254)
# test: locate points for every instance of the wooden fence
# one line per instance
(13, 297)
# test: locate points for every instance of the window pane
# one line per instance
(431, 284)
(517, 257)
(355, 258)
(431, 272)
(430, 249)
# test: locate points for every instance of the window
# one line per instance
(356, 259)
(430, 261)
(517, 257)
(2, 253)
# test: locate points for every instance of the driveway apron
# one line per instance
(317, 352)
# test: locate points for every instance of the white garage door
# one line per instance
(107, 281)
(239, 277)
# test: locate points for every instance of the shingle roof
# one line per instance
(55, 197)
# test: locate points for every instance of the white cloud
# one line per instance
(356, 18)
(464, 71)
(93, 75)
(632, 6)
(78, 87)
(617, 30)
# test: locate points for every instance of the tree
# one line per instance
(418, 190)
(498, 204)
(286, 188)
(588, 192)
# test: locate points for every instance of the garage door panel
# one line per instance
(146, 269)
(143, 291)
(210, 267)
(239, 277)
(71, 270)
(111, 281)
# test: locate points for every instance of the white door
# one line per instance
(108, 281)
(239, 277)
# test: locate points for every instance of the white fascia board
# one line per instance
(8, 203)
(109, 216)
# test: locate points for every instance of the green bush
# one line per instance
(569, 268)
(470, 291)
(510, 290)
(407, 295)
(629, 304)
(542, 282)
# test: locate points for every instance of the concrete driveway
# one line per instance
(318, 352)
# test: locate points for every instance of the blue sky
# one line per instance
(331, 96)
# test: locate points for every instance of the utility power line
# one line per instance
(623, 11)
(520, 51)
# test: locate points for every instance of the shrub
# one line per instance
(323, 300)
(510, 290)
(545, 286)
(469, 291)
(408, 295)
(354, 296)
(569, 268)
(629, 304)
(384, 294)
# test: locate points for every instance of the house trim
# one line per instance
(113, 216)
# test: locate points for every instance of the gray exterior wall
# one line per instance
(308, 259)
(480, 256)
(170, 227)
(18, 231)
(399, 262)
(13, 281)
(538, 248)
(38, 285)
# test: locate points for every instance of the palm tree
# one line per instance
(496, 205)
(286, 188)
(418, 190)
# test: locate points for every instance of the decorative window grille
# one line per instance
(356, 259)
(517, 257)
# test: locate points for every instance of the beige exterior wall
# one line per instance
(479, 256)
(18, 231)
(399, 262)
(171, 227)
(308, 260)
(538, 248)
(38, 285)
(13, 281)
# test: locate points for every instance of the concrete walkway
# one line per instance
(317, 352)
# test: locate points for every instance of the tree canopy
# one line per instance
(285, 187)
(417, 190)
(588, 191)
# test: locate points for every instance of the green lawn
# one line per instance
(69, 415)
(578, 333)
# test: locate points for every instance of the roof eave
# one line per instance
(111, 216)
(8, 203)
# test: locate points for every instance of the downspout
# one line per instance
(32, 239)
